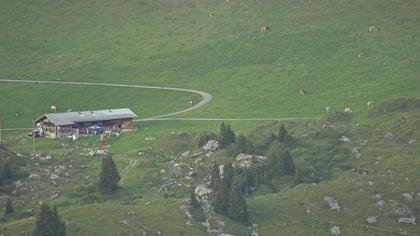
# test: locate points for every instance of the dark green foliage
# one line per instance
(6, 172)
(48, 222)
(204, 138)
(198, 214)
(241, 180)
(226, 136)
(280, 162)
(238, 209)
(288, 164)
(193, 200)
(109, 177)
(243, 145)
(8, 209)
(283, 135)
(215, 175)
(305, 175)
(228, 174)
(220, 196)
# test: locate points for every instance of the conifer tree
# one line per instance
(228, 174)
(226, 136)
(109, 177)
(8, 209)
(238, 209)
(220, 192)
(288, 166)
(220, 198)
(283, 135)
(215, 175)
(280, 162)
(6, 172)
(243, 145)
(48, 222)
(274, 168)
(193, 200)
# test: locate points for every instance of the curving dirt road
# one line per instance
(206, 97)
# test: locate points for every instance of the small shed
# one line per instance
(60, 125)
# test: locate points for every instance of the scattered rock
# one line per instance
(335, 230)
(372, 219)
(389, 135)
(371, 183)
(209, 154)
(381, 204)
(344, 139)
(211, 145)
(185, 154)
(308, 211)
(34, 176)
(407, 220)
(332, 203)
(150, 138)
(249, 161)
(202, 192)
(408, 197)
(401, 210)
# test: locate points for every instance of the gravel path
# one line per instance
(206, 97)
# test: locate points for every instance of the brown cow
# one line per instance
(265, 28)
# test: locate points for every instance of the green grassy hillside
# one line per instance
(313, 45)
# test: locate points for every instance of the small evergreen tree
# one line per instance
(193, 199)
(220, 198)
(6, 172)
(214, 175)
(274, 163)
(243, 145)
(220, 193)
(280, 162)
(226, 136)
(8, 209)
(109, 177)
(238, 209)
(228, 174)
(283, 135)
(48, 222)
(288, 166)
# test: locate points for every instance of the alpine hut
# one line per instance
(68, 124)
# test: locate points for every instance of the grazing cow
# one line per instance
(360, 55)
(69, 110)
(370, 104)
(53, 108)
(211, 14)
(348, 110)
(190, 103)
(403, 119)
(373, 29)
(327, 109)
(302, 92)
(17, 114)
(265, 28)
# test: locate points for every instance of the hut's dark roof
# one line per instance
(70, 118)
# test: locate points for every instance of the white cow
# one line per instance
(327, 109)
(348, 110)
(53, 108)
(370, 104)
